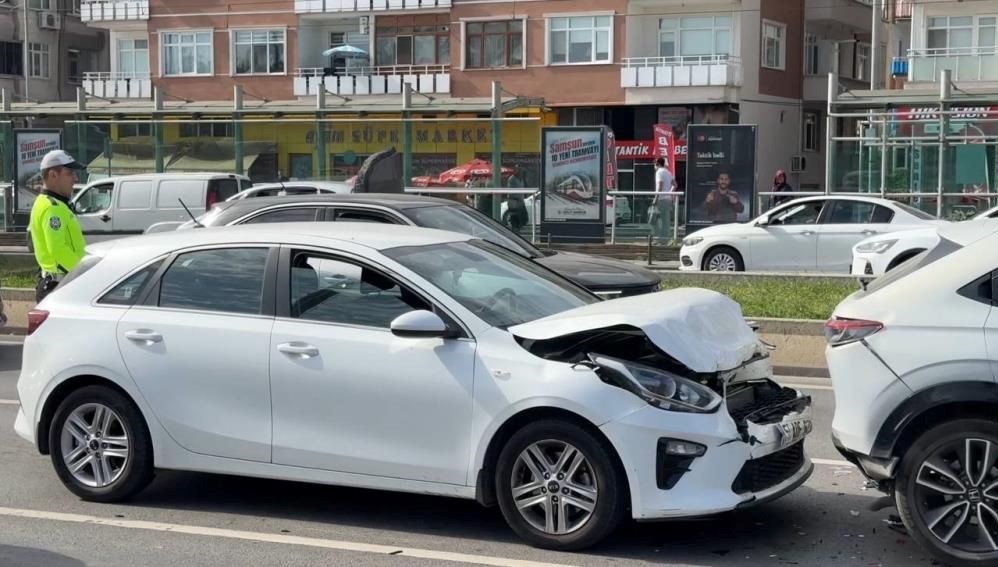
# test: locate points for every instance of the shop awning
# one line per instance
(191, 163)
(122, 164)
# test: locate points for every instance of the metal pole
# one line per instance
(27, 57)
(873, 47)
(829, 125)
(496, 148)
(883, 158)
(675, 217)
(406, 134)
(237, 127)
(613, 221)
(944, 95)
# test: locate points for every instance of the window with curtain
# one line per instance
(258, 52)
(493, 44)
(133, 57)
(188, 53)
(580, 39)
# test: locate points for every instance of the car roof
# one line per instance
(374, 236)
(840, 197)
(397, 201)
(299, 183)
(176, 175)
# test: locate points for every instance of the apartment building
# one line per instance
(45, 49)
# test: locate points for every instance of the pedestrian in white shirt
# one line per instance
(661, 205)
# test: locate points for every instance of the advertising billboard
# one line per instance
(31, 147)
(720, 175)
(573, 178)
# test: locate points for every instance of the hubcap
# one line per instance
(956, 495)
(554, 487)
(94, 445)
(722, 262)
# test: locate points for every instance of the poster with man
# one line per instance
(720, 175)
(32, 145)
(573, 174)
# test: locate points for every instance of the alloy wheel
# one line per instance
(956, 495)
(722, 262)
(95, 445)
(554, 487)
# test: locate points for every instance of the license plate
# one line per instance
(795, 430)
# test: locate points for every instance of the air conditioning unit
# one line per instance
(49, 21)
(798, 164)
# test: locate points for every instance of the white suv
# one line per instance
(913, 360)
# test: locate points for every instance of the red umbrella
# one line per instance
(425, 181)
(472, 169)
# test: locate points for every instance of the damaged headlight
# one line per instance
(657, 387)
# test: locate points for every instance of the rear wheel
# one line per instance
(100, 446)
(947, 492)
(723, 259)
(558, 486)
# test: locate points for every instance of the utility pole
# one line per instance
(873, 46)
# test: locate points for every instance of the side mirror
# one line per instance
(420, 325)
(763, 222)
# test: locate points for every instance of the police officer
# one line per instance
(55, 232)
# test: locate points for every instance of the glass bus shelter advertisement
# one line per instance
(573, 178)
(720, 175)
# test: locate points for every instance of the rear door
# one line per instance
(844, 223)
(133, 207)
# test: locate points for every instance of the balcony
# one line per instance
(117, 85)
(348, 6)
(695, 71)
(426, 79)
(114, 10)
(966, 64)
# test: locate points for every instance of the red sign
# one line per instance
(959, 112)
(665, 146)
(630, 149)
(611, 161)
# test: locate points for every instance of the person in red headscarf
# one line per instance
(780, 185)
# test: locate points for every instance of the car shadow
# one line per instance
(805, 527)
(15, 556)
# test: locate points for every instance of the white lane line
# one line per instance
(832, 463)
(275, 538)
(9, 402)
(806, 386)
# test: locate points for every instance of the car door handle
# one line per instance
(144, 335)
(105, 217)
(809, 233)
(300, 349)
(869, 232)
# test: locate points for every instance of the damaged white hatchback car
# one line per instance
(404, 359)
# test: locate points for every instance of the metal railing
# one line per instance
(320, 6)
(966, 63)
(114, 10)
(680, 61)
(371, 70)
(100, 76)
(676, 196)
(680, 71)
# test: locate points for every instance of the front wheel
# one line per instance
(947, 492)
(724, 259)
(558, 486)
(100, 445)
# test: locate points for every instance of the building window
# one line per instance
(11, 58)
(811, 132)
(692, 36)
(188, 53)
(38, 60)
(133, 57)
(810, 54)
(774, 45)
(134, 130)
(580, 39)
(400, 41)
(961, 32)
(207, 130)
(493, 44)
(258, 52)
(862, 62)
(41, 4)
(73, 57)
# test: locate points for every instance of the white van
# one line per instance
(123, 206)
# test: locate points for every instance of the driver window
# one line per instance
(335, 291)
(96, 199)
(804, 213)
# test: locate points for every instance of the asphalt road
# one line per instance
(200, 519)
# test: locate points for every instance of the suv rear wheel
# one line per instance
(947, 492)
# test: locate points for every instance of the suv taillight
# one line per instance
(840, 331)
(35, 319)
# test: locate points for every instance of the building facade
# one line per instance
(45, 49)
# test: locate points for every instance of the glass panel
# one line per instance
(403, 46)
(475, 52)
(722, 43)
(475, 27)
(277, 58)
(244, 37)
(204, 37)
(937, 22)
(667, 24)
(558, 47)
(259, 58)
(987, 37)
(961, 21)
(495, 50)
(603, 22)
(425, 48)
(127, 291)
(516, 25)
(277, 36)
(141, 44)
(170, 66)
(960, 38)
(722, 21)
(580, 46)
(228, 280)
(667, 44)
(936, 39)
(697, 22)
(698, 42)
(443, 50)
(204, 60)
(303, 214)
(124, 44)
(516, 50)
(559, 23)
(580, 23)
(495, 27)
(142, 62)
(603, 46)
(126, 62)
(386, 51)
(186, 59)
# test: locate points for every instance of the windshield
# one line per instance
(466, 220)
(500, 287)
(943, 249)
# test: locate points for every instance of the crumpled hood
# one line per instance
(598, 271)
(702, 329)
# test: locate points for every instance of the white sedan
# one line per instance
(406, 359)
(813, 234)
(281, 189)
(879, 254)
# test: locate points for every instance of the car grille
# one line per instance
(766, 472)
(763, 403)
(868, 270)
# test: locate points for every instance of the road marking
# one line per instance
(806, 386)
(9, 403)
(832, 463)
(275, 538)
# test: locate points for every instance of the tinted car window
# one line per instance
(882, 215)
(229, 280)
(221, 189)
(803, 213)
(363, 216)
(334, 291)
(850, 212)
(466, 220)
(128, 291)
(300, 214)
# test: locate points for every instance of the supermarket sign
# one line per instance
(645, 150)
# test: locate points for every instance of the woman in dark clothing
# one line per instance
(780, 185)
